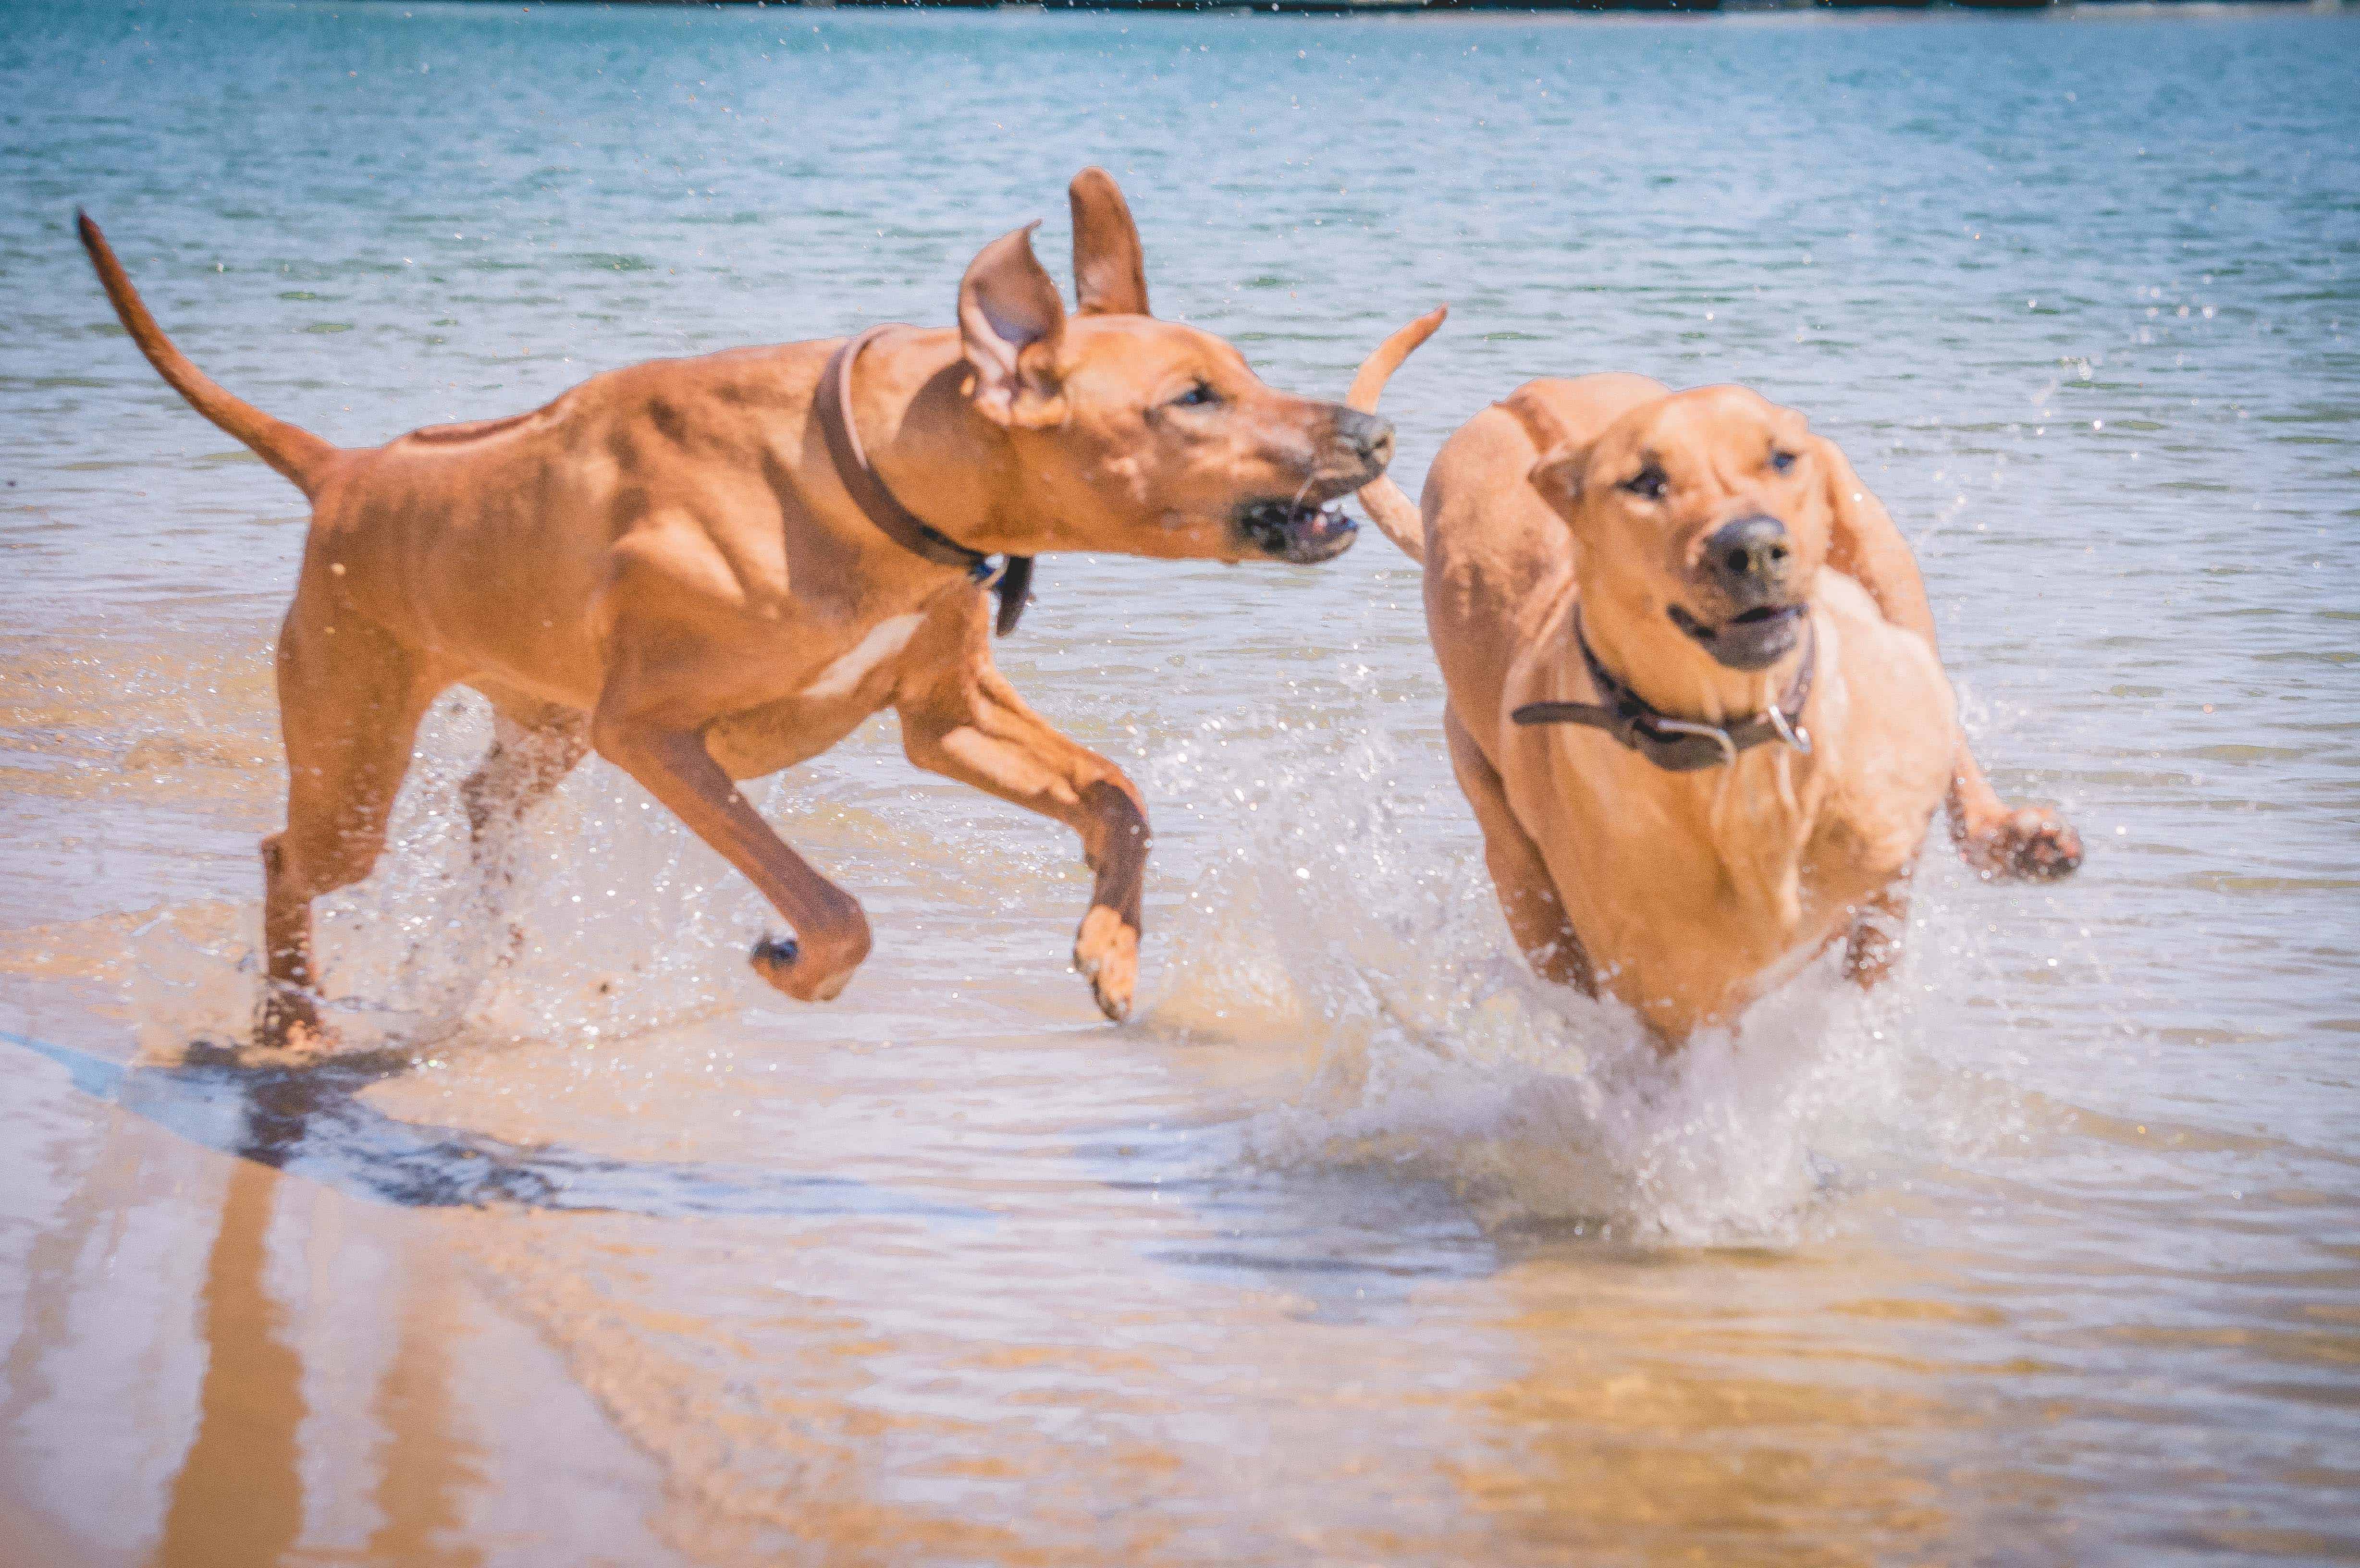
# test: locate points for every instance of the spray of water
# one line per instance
(1351, 924)
(596, 920)
(1334, 908)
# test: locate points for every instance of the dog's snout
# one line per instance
(1750, 555)
(1370, 437)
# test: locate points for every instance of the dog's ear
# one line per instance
(1109, 273)
(1558, 476)
(1862, 542)
(1853, 513)
(1011, 324)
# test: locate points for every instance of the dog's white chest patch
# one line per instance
(885, 640)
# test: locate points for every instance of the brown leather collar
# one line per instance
(1681, 745)
(832, 405)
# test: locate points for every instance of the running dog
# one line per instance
(709, 570)
(1694, 697)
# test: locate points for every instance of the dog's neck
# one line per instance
(1672, 674)
(945, 462)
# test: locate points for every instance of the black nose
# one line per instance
(1749, 556)
(1369, 436)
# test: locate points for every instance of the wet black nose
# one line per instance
(1751, 556)
(1368, 436)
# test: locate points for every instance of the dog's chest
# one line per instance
(1693, 892)
(1667, 858)
(844, 674)
(814, 707)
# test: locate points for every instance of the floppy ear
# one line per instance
(1012, 325)
(1864, 545)
(1854, 514)
(1558, 476)
(1109, 275)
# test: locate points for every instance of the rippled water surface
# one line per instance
(1356, 1246)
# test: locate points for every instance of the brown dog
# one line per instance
(712, 568)
(1694, 697)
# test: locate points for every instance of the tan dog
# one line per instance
(712, 568)
(1694, 697)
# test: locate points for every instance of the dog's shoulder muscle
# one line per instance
(1496, 557)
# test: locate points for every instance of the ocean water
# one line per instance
(1359, 1245)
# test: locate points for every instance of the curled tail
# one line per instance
(297, 454)
(1389, 506)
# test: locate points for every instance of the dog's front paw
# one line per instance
(808, 971)
(1105, 950)
(2025, 844)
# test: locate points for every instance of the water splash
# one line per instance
(1350, 917)
(1346, 921)
(599, 917)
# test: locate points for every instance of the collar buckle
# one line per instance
(1687, 728)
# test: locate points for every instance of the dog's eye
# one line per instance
(1649, 483)
(1196, 397)
(1782, 461)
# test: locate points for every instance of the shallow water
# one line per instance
(1358, 1246)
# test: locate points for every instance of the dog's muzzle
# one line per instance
(1310, 527)
(1752, 639)
(1305, 532)
(1368, 437)
(1751, 564)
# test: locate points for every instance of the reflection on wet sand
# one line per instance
(406, 1480)
(426, 1467)
(238, 1499)
(1631, 1425)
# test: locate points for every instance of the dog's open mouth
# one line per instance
(1303, 531)
(1752, 639)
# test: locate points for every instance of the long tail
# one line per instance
(1389, 506)
(297, 454)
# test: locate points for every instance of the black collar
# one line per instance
(1681, 745)
(832, 405)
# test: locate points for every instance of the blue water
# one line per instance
(2054, 1258)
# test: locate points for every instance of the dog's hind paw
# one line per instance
(1105, 950)
(290, 1027)
(2025, 844)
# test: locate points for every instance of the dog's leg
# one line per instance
(2025, 842)
(349, 699)
(831, 933)
(1865, 544)
(534, 747)
(1874, 949)
(1528, 897)
(969, 725)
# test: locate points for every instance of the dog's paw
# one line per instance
(2025, 844)
(289, 1029)
(806, 972)
(1105, 950)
